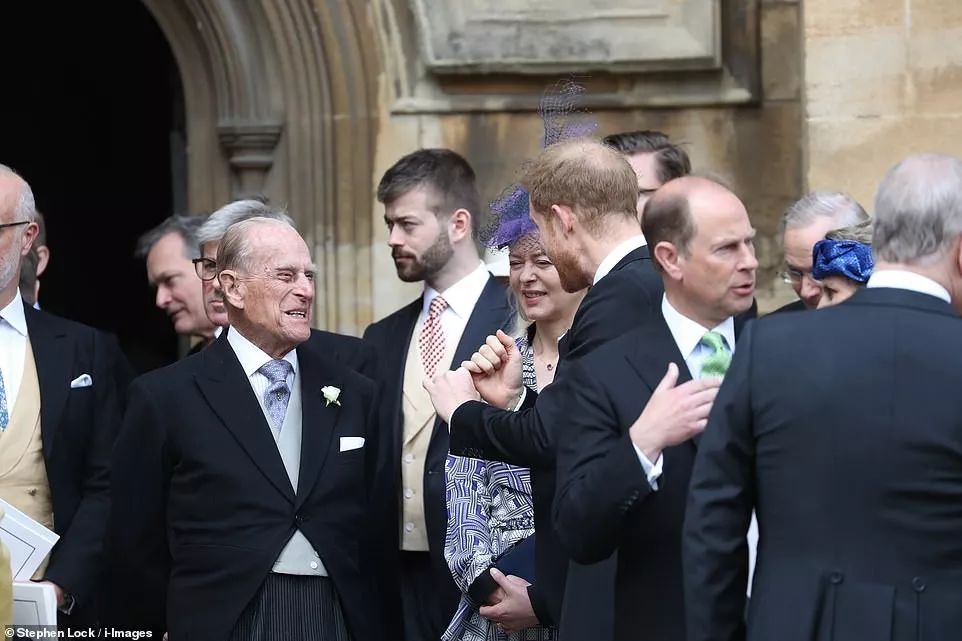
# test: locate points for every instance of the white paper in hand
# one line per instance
(28, 541)
(34, 604)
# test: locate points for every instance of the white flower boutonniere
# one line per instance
(331, 394)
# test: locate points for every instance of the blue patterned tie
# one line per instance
(278, 393)
(4, 413)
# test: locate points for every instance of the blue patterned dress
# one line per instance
(489, 510)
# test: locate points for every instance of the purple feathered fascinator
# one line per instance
(847, 258)
(563, 120)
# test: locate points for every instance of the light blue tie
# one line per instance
(278, 393)
(4, 413)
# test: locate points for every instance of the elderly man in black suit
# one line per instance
(243, 473)
(625, 450)
(843, 429)
(59, 413)
(432, 210)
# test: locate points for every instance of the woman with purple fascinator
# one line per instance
(490, 507)
(843, 263)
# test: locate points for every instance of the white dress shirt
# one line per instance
(615, 255)
(461, 297)
(903, 279)
(687, 334)
(252, 358)
(13, 348)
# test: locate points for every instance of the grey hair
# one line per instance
(838, 206)
(217, 223)
(918, 209)
(860, 233)
(183, 225)
(236, 250)
(26, 207)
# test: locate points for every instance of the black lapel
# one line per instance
(652, 352)
(394, 356)
(490, 312)
(52, 347)
(228, 391)
(317, 417)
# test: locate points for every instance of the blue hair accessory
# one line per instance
(848, 258)
(510, 219)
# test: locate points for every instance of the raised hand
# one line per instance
(496, 370)
(674, 413)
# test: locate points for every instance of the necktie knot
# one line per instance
(276, 370)
(437, 307)
(719, 354)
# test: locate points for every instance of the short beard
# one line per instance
(572, 276)
(430, 263)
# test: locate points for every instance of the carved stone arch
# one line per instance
(280, 100)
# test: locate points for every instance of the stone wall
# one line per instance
(757, 147)
(883, 79)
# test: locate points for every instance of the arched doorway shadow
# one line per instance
(93, 118)
(279, 101)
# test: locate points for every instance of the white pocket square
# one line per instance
(349, 443)
(83, 380)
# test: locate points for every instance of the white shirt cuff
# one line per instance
(524, 392)
(652, 470)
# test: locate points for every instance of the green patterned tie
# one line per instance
(719, 356)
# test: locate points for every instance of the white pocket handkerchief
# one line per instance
(349, 443)
(83, 380)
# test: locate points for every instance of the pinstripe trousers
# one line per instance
(299, 608)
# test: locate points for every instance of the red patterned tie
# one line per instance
(431, 340)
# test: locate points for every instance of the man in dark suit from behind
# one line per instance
(625, 451)
(803, 224)
(432, 210)
(583, 198)
(843, 430)
(60, 409)
(243, 474)
(348, 350)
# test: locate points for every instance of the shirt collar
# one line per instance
(252, 357)
(13, 314)
(687, 333)
(461, 296)
(615, 255)
(904, 279)
(218, 331)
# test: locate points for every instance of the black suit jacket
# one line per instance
(78, 426)
(350, 351)
(794, 306)
(390, 338)
(621, 301)
(203, 505)
(842, 427)
(604, 501)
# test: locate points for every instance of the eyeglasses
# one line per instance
(792, 276)
(16, 224)
(206, 268)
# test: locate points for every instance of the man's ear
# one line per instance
(232, 287)
(29, 235)
(669, 259)
(43, 259)
(459, 225)
(566, 219)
